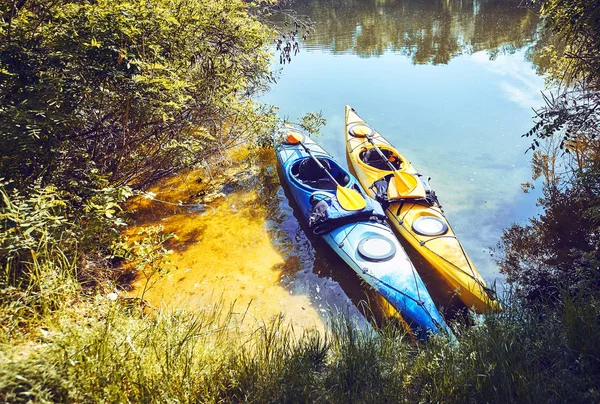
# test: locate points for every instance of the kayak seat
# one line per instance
(373, 159)
(321, 183)
(309, 170)
(310, 174)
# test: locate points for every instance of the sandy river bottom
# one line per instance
(245, 250)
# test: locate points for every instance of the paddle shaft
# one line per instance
(349, 198)
(389, 163)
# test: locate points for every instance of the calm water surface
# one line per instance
(448, 82)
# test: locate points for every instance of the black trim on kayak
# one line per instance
(332, 224)
(400, 207)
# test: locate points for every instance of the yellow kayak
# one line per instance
(413, 209)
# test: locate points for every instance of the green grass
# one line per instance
(102, 352)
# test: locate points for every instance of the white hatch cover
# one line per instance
(429, 226)
(360, 130)
(376, 248)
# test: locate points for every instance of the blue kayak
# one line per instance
(358, 234)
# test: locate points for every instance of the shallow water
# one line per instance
(246, 250)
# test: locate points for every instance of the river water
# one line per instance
(448, 82)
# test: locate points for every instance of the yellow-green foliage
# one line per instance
(568, 52)
(126, 90)
(574, 56)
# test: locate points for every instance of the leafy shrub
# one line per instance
(146, 254)
(45, 233)
(560, 249)
(124, 90)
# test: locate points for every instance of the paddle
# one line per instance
(349, 199)
(403, 183)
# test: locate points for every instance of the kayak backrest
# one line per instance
(373, 159)
(310, 170)
(309, 173)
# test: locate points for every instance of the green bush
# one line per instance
(129, 91)
(43, 232)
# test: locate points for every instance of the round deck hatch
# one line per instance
(429, 226)
(376, 248)
(360, 130)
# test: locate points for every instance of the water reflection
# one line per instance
(427, 31)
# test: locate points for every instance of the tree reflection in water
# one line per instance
(428, 31)
(559, 250)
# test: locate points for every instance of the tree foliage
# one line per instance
(571, 58)
(127, 90)
(99, 97)
(560, 249)
(577, 25)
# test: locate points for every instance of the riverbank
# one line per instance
(230, 248)
(102, 100)
(107, 353)
(239, 323)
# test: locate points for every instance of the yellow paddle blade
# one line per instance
(350, 199)
(405, 185)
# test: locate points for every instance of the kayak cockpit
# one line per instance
(370, 157)
(308, 173)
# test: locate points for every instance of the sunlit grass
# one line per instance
(104, 351)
